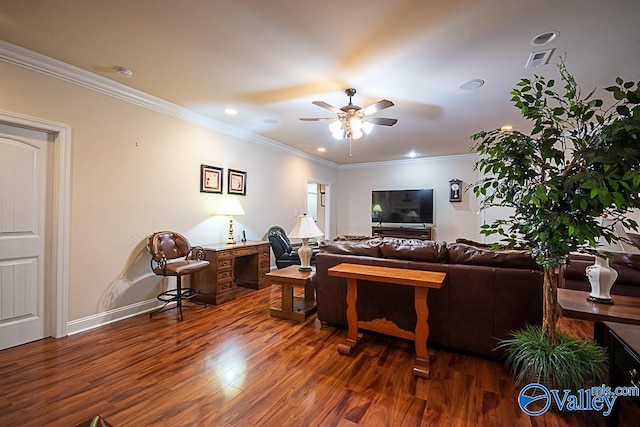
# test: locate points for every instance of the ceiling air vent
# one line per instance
(537, 59)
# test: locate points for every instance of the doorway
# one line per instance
(318, 201)
(35, 157)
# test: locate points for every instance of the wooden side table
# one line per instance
(293, 308)
(421, 282)
(574, 304)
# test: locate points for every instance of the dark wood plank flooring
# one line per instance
(233, 365)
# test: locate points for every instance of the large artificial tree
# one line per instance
(580, 161)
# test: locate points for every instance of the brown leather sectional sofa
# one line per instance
(486, 294)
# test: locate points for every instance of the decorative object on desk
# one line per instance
(455, 190)
(230, 206)
(237, 182)
(601, 276)
(210, 179)
(244, 237)
(304, 229)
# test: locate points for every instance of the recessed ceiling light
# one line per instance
(412, 154)
(471, 84)
(321, 149)
(231, 111)
(544, 38)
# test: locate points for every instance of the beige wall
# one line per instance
(452, 220)
(135, 171)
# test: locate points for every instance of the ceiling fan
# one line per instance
(353, 121)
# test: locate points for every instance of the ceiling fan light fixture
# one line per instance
(336, 129)
(367, 127)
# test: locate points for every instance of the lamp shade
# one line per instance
(230, 206)
(304, 228)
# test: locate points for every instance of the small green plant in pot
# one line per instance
(571, 364)
(580, 161)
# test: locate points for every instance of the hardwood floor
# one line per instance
(233, 365)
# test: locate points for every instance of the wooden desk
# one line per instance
(421, 282)
(240, 264)
(293, 308)
(574, 304)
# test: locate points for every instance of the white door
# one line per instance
(24, 315)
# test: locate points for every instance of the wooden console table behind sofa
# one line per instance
(241, 264)
(421, 282)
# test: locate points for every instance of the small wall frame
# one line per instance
(210, 179)
(236, 182)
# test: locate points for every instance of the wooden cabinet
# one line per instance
(241, 264)
(624, 368)
(422, 233)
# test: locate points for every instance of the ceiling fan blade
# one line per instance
(380, 105)
(329, 107)
(381, 121)
(317, 119)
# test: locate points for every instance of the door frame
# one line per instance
(59, 246)
(327, 216)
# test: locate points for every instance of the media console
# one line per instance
(422, 233)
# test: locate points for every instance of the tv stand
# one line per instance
(422, 233)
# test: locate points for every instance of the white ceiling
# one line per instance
(271, 59)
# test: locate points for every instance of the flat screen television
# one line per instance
(402, 206)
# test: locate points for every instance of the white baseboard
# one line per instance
(101, 319)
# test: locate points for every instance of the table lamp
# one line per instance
(601, 276)
(305, 228)
(230, 206)
(377, 210)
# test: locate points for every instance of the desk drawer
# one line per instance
(245, 252)
(225, 285)
(225, 275)
(225, 263)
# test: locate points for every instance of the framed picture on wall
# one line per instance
(210, 179)
(237, 182)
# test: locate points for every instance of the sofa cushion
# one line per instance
(370, 247)
(460, 253)
(414, 249)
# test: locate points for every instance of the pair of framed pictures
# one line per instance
(211, 180)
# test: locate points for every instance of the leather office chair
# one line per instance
(171, 255)
(286, 254)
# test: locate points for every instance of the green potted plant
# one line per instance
(580, 161)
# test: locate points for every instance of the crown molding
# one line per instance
(43, 64)
(411, 162)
